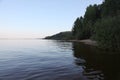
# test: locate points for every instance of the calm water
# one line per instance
(55, 60)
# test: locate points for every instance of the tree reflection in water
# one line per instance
(97, 64)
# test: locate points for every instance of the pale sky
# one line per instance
(39, 18)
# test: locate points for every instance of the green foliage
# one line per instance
(108, 33)
(78, 28)
(83, 27)
(110, 8)
(102, 23)
(92, 14)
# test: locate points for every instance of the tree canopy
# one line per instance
(100, 22)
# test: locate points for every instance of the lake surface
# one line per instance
(56, 60)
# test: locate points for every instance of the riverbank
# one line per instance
(86, 41)
(67, 36)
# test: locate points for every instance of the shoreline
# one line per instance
(85, 41)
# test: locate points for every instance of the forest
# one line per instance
(100, 23)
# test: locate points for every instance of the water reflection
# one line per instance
(96, 64)
(54, 60)
(63, 45)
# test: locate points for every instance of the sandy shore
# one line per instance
(86, 41)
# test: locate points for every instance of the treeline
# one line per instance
(66, 35)
(101, 23)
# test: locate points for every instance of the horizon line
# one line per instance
(18, 38)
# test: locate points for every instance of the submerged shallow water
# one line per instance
(55, 60)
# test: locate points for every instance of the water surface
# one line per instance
(55, 60)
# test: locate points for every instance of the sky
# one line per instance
(39, 18)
